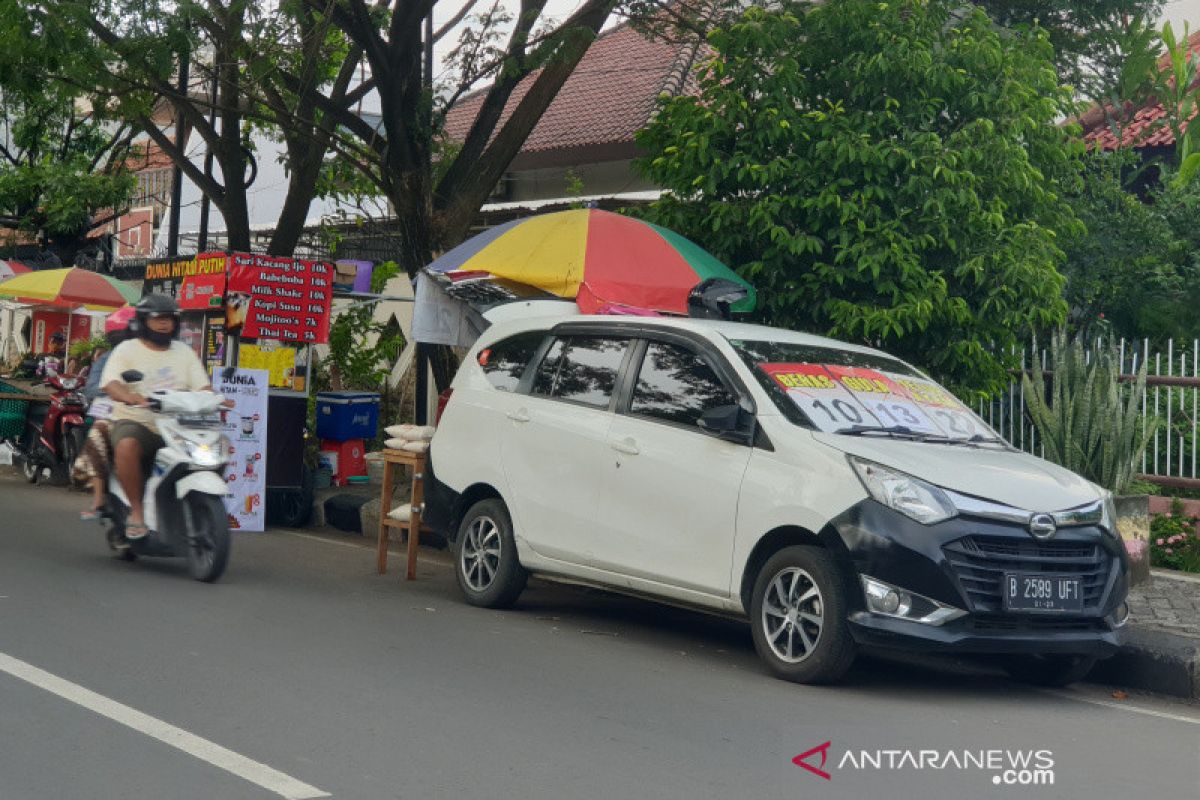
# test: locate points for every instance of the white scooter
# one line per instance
(184, 497)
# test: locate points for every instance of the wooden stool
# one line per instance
(392, 459)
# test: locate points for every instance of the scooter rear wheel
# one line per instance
(208, 536)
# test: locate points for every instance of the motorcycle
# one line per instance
(54, 434)
(183, 501)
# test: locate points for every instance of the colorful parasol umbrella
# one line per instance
(599, 258)
(70, 287)
(10, 268)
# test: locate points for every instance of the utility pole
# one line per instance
(202, 240)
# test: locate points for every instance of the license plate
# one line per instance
(1036, 592)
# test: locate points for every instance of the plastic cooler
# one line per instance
(348, 459)
(342, 416)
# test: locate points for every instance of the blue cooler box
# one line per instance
(347, 415)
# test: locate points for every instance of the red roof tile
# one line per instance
(1143, 127)
(609, 97)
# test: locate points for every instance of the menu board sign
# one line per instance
(279, 298)
(196, 282)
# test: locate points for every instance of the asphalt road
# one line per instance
(303, 673)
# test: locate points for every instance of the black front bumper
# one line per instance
(960, 563)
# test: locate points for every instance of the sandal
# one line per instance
(136, 530)
(91, 514)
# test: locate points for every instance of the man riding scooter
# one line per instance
(165, 364)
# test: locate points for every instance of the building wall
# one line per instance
(606, 177)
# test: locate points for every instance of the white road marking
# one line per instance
(270, 779)
(1121, 706)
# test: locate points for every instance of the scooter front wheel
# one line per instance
(31, 469)
(208, 536)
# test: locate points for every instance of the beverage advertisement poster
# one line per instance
(279, 298)
(246, 427)
(196, 282)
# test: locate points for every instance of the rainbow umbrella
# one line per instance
(10, 268)
(70, 287)
(596, 257)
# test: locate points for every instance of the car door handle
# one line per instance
(520, 415)
(627, 446)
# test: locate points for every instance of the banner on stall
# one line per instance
(279, 362)
(246, 427)
(279, 298)
(196, 282)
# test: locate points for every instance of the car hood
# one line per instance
(1011, 477)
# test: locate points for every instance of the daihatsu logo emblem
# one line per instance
(1042, 526)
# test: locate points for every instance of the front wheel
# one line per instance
(207, 536)
(1054, 670)
(798, 616)
(488, 571)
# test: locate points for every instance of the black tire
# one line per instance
(488, 579)
(1048, 670)
(119, 545)
(208, 536)
(72, 446)
(820, 652)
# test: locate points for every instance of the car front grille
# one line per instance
(984, 623)
(979, 562)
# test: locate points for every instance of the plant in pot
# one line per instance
(1088, 421)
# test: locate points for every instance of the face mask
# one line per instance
(154, 337)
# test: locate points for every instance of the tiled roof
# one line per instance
(1142, 127)
(609, 97)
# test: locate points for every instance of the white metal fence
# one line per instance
(1172, 394)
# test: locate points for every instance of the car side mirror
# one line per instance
(131, 376)
(733, 423)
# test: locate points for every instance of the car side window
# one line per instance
(676, 385)
(504, 362)
(582, 369)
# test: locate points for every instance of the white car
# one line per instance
(834, 495)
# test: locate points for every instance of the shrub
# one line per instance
(1088, 421)
(1174, 542)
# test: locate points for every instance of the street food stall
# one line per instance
(260, 315)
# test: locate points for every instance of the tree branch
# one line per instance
(206, 184)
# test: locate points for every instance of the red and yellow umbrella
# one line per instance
(72, 287)
(596, 257)
(10, 268)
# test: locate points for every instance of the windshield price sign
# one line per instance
(946, 410)
(887, 400)
(820, 396)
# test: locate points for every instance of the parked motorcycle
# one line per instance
(184, 496)
(54, 434)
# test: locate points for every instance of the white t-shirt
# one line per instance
(175, 368)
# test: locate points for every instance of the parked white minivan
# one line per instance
(834, 495)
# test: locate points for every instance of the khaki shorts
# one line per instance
(148, 439)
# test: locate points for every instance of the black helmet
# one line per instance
(58, 336)
(154, 305)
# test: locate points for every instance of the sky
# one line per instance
(1180, 11)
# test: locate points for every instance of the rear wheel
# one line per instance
(208, 536)
(72, 446)
(1049, 670)
(798, 616)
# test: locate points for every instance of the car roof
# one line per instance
(708, 328)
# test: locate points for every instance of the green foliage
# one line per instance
(83, 348)
(890, 173)
(1089, 422)
(62, 170)
(1174, 542)
(361, 350)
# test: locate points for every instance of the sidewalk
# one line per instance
(1162, 650)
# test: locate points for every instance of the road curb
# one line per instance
(1154, 661)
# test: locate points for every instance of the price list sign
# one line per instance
(820, 396)
(279, 298)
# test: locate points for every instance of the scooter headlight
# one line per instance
(911, 496)
(207, 454)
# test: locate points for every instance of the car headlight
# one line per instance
(911, 496)
(1108, 515)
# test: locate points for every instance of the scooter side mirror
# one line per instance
(131, 376)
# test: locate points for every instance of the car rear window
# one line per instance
(504, 362)
(581, 369)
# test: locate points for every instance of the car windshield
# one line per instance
(859, 394)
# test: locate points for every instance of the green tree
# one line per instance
(890, 173)
(1090, 37)
(62, 169)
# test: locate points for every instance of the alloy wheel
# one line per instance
(793, 615)
(480, 557)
